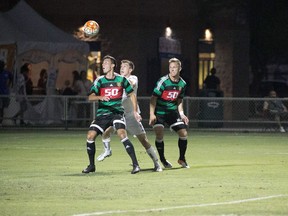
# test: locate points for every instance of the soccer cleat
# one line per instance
(166, 164)
(135, 169)
(90, 168)
(158, 168)
(183, 163)
(106, 153)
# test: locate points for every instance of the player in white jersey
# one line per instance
(133, 126)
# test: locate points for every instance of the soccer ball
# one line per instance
(91, 28)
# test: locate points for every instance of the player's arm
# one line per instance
(181, 111)
(152, 118)
(132, 82)
(133, 98)
(94, 97)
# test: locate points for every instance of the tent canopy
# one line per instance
(29, 31)
(32, 33)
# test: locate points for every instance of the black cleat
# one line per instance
(90, 168)
(135, 169)
(166, 163)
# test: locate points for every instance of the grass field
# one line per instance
(231, 174)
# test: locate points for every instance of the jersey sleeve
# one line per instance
(95, 87)
(127, 86)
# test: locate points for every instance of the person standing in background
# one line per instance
(42, 82)
(212, 81)
(5, 84)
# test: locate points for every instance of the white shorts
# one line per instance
(132, 125)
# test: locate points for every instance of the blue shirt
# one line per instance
(5, 79)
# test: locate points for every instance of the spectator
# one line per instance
(274, 107)
(78, 85)
(42, 82)
(21, 93)
(212, 81)
(68, 90)
(5, 83)
(86, 82)
(87, 86)
(26, 71)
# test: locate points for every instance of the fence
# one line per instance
(75, 111)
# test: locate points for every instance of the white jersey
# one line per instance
(126, 102)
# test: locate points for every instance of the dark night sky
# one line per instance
(268, 21)
(269, 29)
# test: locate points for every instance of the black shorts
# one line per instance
(101, 123)
(172, 119)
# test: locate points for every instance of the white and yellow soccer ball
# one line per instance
(91, 28)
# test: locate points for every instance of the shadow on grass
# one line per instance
(110, 173)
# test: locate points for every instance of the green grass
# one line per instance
(40, 174)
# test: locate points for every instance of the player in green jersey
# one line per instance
(133, 126)
(166, 108)
(108, 89)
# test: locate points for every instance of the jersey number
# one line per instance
(111, 92)
(170, 95)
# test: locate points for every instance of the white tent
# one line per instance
(30, 31)
(40, 42)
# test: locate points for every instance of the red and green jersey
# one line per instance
(114, 89)
(167, 93)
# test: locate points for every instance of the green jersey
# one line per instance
(114, 89)
(168, 93)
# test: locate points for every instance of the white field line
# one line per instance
(182, 207)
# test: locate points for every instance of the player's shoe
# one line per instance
(166, 163)
(183, 163)
(106, 153)
(157, 168)
(89, 168)
(135, 169)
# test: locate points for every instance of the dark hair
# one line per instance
(213, 71)
(113, 60)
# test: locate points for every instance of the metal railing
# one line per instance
(75, 111)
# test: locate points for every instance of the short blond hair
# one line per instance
(130, 63)
(175, 60)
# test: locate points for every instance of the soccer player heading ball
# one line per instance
(108, 89)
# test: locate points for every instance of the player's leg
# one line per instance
(159, 143)
(106, 144)
(150, 151)
(180, 128)
(136, 128)
(93, 132)
(91, 150)
(119, 125)
(182, 145)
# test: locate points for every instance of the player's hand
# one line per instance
(152, 120)
(137, 116)
(105, 98)
(184, 119)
